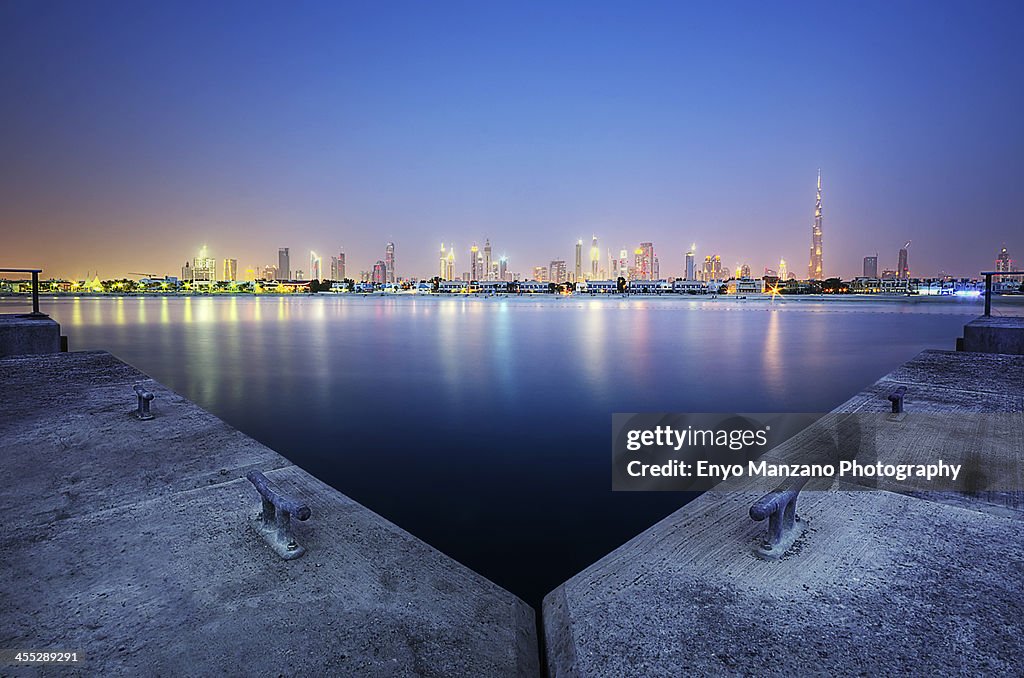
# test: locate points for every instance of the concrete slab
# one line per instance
(21, 335)
(995, 334)
(881, 582)
(131, 542)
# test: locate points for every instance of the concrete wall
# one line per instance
(994, 335)
(20, 335)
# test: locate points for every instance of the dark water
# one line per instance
(483, 426)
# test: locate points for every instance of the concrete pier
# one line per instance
(25, 335)
(882, 582)
(130, 542)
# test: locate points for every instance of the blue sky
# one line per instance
(135, 132)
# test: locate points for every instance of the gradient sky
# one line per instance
(133, 132)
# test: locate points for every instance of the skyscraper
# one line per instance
(474, 266)
(380, 273)
(450, 268)
(389, 261)
(595, 256)
(204, 267)
(503, 269)
(1003, 261)
(645, 261)
(745, 271)
(315, 266)
(815, 267)
(341, 266)
(230, 270)
(556, 272)
(783, 270)
(902, 265)
(487, 259)
(871, 267)
(284, 266)
(689, 262)
(579, 260)
(713, 268)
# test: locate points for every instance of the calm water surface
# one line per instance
(483, 425)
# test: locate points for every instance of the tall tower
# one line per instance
(814, 268)
(783, 270)
(389, 261)
(595, 257)
(450, 267)
(487, 259)
(284, 267)
(579, 261)
(689, 262)
(902, 265)
(442, 269)
(474, 254)
(315, 266)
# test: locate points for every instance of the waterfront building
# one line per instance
(534, 287)
(284, 266)
(745, 271)
(601, 286)
(814, 269)
(902, 266)
(540, 273)
(379, 276)
(595, 257)
(640, 286)
(315, 266)
(452, 286)
(578, 274)
(871, 267)
(230, 270)
(644, 261)
(488, 268)
(783, 270)
(503, 269)
(746, 286)
(689, 286)
(186, 272)
(888, 274)
(689, 274)
(557, 271)
(389, 261)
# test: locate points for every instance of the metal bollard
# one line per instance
(896, 398)
(145, 397)
(274, 522)
(784, 525)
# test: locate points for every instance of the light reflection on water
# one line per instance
(482, 425)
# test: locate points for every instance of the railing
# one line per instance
(35, 287)
(988, 286)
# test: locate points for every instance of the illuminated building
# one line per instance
(783, 270)
(540, 273)
(579, 260)
(341, 265)
(488, 273)
(744, 271)
(689, 262)
(644, 261)
(315, 266)
(284, 266)
(389, 261)
(204, 268)
(442, 268)
(1005, 263)
(503, 269)
(379, 276)
(871, 267)
(230, 270)
(474, 262)
(902, 265)
(595, 257)
(815, 267)
(624, 264)
(557, 271)
(712, 268)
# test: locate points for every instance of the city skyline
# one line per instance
(158, 129)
